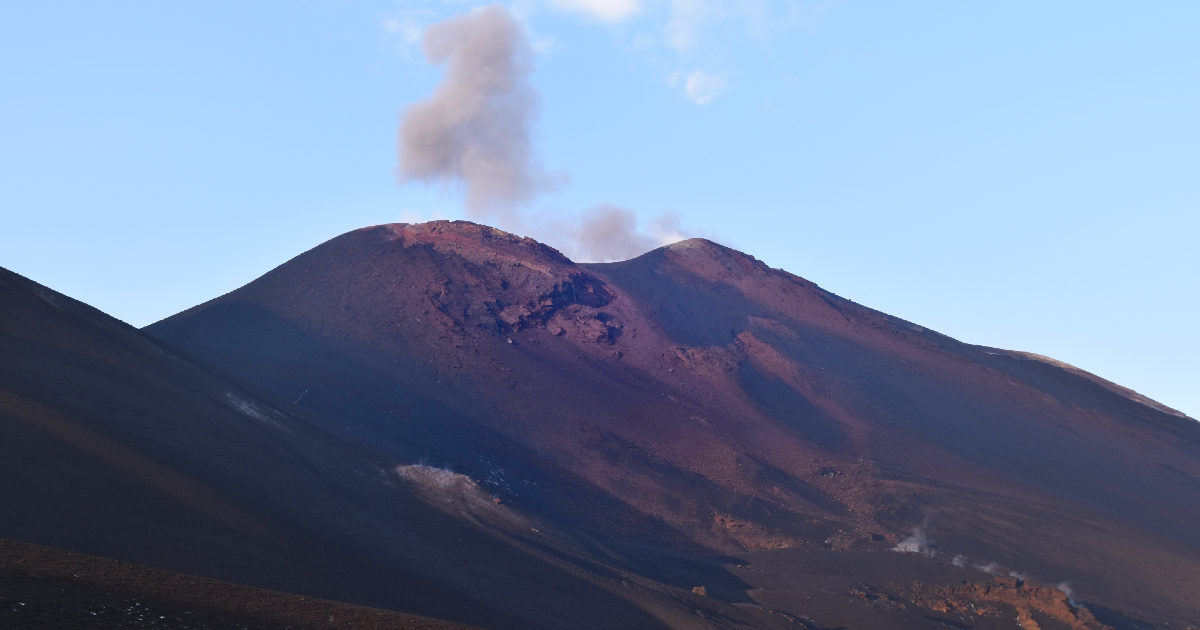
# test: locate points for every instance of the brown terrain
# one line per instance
(447, 420)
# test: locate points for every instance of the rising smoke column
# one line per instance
(476, 128)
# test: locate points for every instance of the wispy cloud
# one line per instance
(696, 39)
(406, 26)
(603, 10)
(704, 35)
(687, 18)
(694, 24)
(701, 87)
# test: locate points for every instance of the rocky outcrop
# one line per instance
(1004, 594)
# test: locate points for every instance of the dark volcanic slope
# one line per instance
(42, 587)
(693, 398)
(113, 445)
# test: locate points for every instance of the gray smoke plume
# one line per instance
(476, 127)
(608, 232)
(476, 130)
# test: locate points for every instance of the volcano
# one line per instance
(470, 426)
(115, 446)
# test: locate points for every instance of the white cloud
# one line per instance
(701, 88)
(686, 19)
(543, 45)
(604, 10)
(701, 24)
(707, 33)
(405, 26)
(677, 36)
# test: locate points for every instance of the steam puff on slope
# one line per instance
(460, 495)
(475, 128)
(916, 542)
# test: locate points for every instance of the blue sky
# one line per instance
(1017, 174)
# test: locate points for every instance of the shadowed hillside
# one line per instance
(113, 445)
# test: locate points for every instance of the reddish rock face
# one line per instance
(695, 398)
(1004, 596)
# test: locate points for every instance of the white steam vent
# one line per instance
(447, 489)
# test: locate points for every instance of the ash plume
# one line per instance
(476, 131)
(476, 128)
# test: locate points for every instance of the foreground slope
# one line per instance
(113, 445)
(41, 587)
(694, 400)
